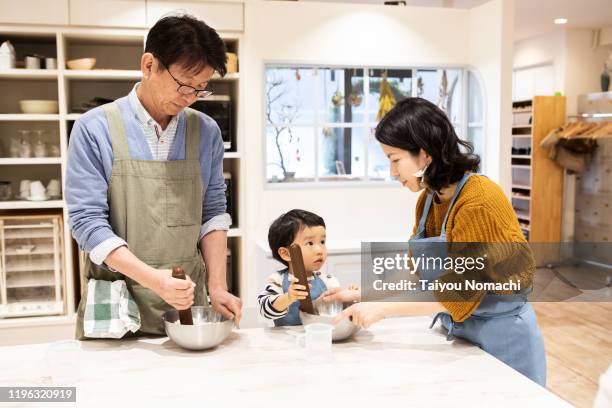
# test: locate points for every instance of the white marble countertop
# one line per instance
(397, 362)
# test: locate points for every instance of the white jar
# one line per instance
(7, 55)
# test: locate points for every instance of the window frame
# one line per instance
(319, 181)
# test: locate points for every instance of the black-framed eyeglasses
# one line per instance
(188, 90)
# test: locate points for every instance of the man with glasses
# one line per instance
(146, 193)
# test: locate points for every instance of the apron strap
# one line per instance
(423, 220)
(450, 335)
(192, 135)
(462, 182)
(116, 128)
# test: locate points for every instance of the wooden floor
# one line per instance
(578, 342)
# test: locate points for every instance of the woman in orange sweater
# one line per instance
(458, 206)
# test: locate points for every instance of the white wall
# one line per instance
(544, 50)
(350, 34)
(490, 52)
(583, 67)
(576, 63)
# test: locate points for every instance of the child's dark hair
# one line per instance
(283, 230)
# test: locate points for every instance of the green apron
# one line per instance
(156, 207)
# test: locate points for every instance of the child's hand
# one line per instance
(351, 294)
(296, 292)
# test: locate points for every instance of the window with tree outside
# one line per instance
(320, 121)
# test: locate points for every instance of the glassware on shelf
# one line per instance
(54, 150)
(25, 148)
(14, 147)
(40, 149)
(6, 192)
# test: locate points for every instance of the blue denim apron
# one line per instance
(292, 318)
(504, 327)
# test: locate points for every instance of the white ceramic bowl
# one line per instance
(38, 106)
(81, 63)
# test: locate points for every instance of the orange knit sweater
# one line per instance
(481, 213)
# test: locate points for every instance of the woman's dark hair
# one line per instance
(187, 41)
(414, 124)
(283, 230)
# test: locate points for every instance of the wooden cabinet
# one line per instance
(537, 181)
(31, 266)
(108, 13)
(222, 16)
(34, 12)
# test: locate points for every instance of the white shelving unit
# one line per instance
(31, 266)
(118, 54)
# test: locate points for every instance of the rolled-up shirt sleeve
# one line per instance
(86, 193)
(214, 216)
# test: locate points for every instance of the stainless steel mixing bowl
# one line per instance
(209, 328)
(344, 329)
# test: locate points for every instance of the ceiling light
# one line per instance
(560, 20)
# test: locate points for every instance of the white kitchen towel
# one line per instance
(110, 310)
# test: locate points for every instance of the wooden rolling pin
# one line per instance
(297, 264)
(184, 315)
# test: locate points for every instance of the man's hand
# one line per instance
(227, 304)
(178, 293)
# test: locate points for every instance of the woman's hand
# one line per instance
(178, 293)
(351, 294)
(363, 314)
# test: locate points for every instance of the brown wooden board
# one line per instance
(297, 264)
(184, 315)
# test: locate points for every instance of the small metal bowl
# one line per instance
(344, 329)
(209, 328)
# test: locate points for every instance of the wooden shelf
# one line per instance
(522, 215)
(17, 280)
(28, 74)
(234, 76)
(30, 161)
(23, 205)
(26, 117)
(522, 110)
(43, 249)
(19, 236)
(545, 176)
(521, 197)
(115, 74)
